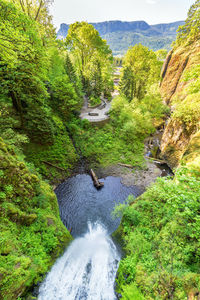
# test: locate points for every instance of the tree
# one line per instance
(38, 10)
(90, 55)
(141, 68)
(23, 62)
(190, 31)
(34, 8)
(70, 71)
(64, 95)
(96, 78)
(161, 54)
(127, 83)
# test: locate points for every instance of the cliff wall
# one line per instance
(180, 89)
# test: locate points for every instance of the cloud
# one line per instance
(151, 1)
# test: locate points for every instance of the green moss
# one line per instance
(161, 234)
(192, 155)
(32, 234)
(105, 146)
(61, 154)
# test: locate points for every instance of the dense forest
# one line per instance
(43, 84)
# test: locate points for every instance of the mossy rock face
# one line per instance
(32, 235)
(55, 161)
(180, 89)
(174, 142)
(192, 155)
(179, 61)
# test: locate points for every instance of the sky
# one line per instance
(151, 11)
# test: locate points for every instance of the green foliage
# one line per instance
(39, 125)
(56, 62)
(153, 104)
(134, 125)
(92, 58)
(23, 60)
(64, 96)
(161, 233)
(61, 154)
(188, 110)
(161, 54)
(38, 11)
(122, 139)
(9, 123)
(137, 118)
(71, 72)
(141, 68)
(35, 87)
(105, 145)
(189, 32)
(31, 233)
(33, 80)
(132, 292)
(94, 101)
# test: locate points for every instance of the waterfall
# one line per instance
(86, 271)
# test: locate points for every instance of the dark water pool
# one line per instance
(80, 202)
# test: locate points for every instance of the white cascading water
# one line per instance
(86, 271)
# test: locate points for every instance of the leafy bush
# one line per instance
(64, 95)
(161, 233)
(131, 292)
(94, 101)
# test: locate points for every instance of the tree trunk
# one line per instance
(38, 11)
(97, 183)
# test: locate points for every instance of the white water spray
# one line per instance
(86, 271)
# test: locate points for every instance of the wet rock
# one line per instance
(139, 177)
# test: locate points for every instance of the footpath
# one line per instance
(100, 113)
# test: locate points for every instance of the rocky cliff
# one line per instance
(181, 91)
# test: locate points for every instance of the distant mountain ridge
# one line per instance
(121, 35)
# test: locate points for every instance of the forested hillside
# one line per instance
(121, 35)
(161, 228)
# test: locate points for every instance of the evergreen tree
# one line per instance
(96, 80)
(70, 71)
(69, 68)
(127, 84)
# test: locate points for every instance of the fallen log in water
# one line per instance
(96, 181)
